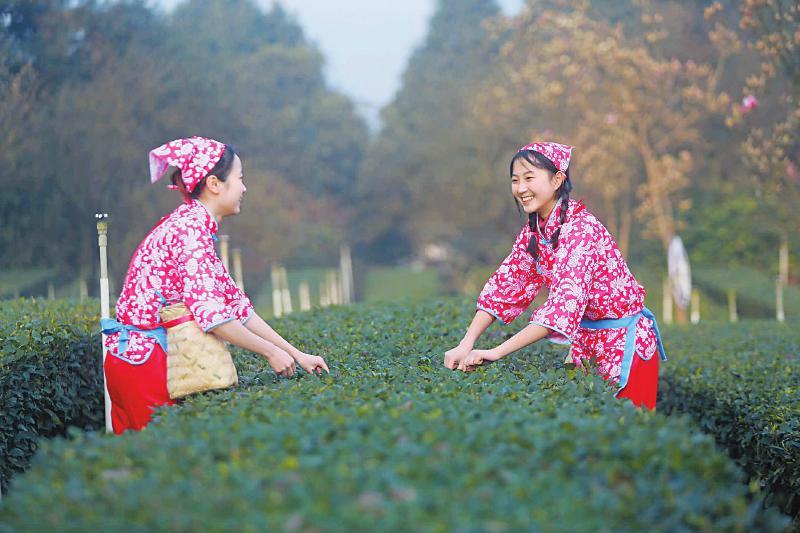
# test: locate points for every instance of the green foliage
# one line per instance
(392, 440)
(417, 156)
(18, 281)
(755, 291)
(50, 376)
(393, 284)
(742, 385)
(108, 81)
(729, 228)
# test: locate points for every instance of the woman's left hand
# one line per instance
(477, 358)
(313, 364)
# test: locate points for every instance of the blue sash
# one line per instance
(111, 326)
(628, 322)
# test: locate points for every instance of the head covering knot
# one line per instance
(559, 154)
(195, 157)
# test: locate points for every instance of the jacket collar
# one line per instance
(204, 215)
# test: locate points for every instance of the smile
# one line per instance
(526, 197)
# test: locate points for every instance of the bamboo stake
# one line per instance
(695, 318)
(333, 288)
(83, 289)
(733, 314)
(305, 296)
(223, 251)
(286, 295)
(346, 273)
(105, 311)
(323, 296)
(277, 304)
(237, 268)
(666, 300)
(783, 262)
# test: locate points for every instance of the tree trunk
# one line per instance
(659, 201)
(626, 223)
(611, 215)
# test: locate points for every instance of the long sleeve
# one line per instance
(208, 290)
(242, 307)
(575, 260)
(512, 288)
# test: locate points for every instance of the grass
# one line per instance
(400, 283)
(17, 282)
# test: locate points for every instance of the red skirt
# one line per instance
(642, 385)
(135, 390)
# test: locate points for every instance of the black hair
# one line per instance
(539, 160)
(221, 170)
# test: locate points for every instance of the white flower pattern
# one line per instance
(177, 259)
(587, 277)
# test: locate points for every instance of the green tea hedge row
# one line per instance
(741, 382)
(50, 376)
(393, 441)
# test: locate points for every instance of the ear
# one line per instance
(213, 184)
(560, 178)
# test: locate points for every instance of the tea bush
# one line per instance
(741, 382)
(50, 376)
(392, 440)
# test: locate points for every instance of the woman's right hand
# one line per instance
(452, 358)
(281, 362)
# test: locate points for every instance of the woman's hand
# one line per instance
(478, 357)
(453, 357)
(281, 362)
(312, 364)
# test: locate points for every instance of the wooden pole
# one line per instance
(346, 273)
(780, 315)
(277, 303)
(783, 262)
(305, 296)
(666, 300)
(237, 268)
(695, 306)
(223, 251)
(324, 292)
(286, 295)
(333, 288)
(105, 308)
(733, 314)
(83, 289)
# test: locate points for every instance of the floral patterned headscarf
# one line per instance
(559, 154)
(195, 157)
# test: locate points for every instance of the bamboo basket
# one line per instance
(196, 361)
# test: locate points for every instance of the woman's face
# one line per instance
(534, 188)
(232, 190)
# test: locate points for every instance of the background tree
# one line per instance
(584, 79)
(415, 156)
(771, 28)
(107, 81)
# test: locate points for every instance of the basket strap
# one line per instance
(178, 321)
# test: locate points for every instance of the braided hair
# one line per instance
(539, 160)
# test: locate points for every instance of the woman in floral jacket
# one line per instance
(177, 262)
(594, 302)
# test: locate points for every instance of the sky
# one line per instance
(366, 43)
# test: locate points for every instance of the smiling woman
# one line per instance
(176, 282)
(594, 302)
